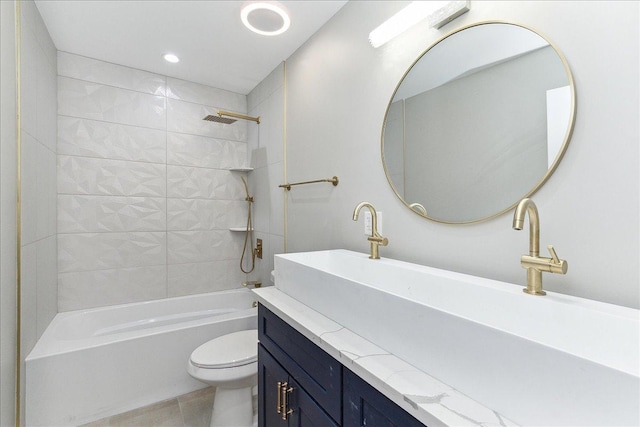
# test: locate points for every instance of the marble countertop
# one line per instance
(424, 397)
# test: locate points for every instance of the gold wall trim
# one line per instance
(18, 33)
(284, 150)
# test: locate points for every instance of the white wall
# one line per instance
(7, 213)
(338, 88)
(145, 194)
(38, 176)
(266, 151)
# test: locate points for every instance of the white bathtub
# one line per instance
(91, 364)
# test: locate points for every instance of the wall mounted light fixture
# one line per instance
(438, 13)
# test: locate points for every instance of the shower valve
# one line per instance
(258, 250)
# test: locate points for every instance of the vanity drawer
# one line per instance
(319, 374)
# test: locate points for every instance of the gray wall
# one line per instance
(338, 88)
(7, 214)
(266, 151)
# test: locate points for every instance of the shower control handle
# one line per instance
(258, 249)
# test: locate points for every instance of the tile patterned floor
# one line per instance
(189, 410)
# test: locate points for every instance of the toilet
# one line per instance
(229, 363)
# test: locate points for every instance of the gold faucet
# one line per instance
(534, 263)
(376, 239)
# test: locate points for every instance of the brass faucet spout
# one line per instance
(535, 264)
(375, 239)
(527, 206)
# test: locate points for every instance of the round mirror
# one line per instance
(479, 121)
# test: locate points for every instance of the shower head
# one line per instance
(219, 119)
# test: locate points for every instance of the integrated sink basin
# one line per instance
(552, 360)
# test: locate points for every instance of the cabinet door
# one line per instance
(364, 406)
(269, 374)
(306, 412)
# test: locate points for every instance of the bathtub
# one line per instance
(90, 364)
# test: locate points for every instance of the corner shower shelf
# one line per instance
(241, 169)
(239, 229)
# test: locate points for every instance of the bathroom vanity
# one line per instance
(439, 347)
(302, 385)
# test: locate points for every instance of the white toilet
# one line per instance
(229, 363)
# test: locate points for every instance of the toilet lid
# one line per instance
(235, 349)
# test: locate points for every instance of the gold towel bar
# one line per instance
(333, 180)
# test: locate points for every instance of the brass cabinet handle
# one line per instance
(279, 399)
(286, 403)
(283, 401)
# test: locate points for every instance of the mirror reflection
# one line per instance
(478, 122)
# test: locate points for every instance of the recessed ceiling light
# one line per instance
(265, 18)
(170, 57)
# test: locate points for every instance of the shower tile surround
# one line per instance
(145, 194)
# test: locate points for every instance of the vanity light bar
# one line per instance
(439, 13)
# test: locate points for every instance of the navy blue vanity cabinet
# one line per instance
(313, 390)
(299, 380)
(364, 406)
(283, 402)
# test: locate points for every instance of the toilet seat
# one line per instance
(228, 351)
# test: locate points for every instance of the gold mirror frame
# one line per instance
(550, 170)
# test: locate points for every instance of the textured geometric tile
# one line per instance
(198, 278)
(93, 70)
(84, 175)
(185, 117)
(78, 214)
(205, 95)
(91, 138)
(78, 98)
(199, 183)
(101, 251)
(192, 150)
(201, 214)
(203, 246)
(88, 289)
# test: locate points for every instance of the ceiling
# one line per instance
(214, 46)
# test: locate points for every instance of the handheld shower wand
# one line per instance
(248, 232)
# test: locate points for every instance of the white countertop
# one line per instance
(424, 397)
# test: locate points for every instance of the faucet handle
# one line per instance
(559, 266)
(554, 255)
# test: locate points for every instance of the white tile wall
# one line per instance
(101, 251)
(192, 150)
(145, 197)
(86, 175)
(94, 214)
(90, 70)
(79, 98)
(91, 138)
(88, 289)
(38, 175)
